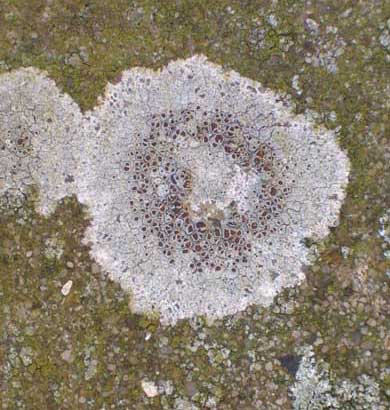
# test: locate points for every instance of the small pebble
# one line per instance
(67, 356)
(66, 288)
(149, 388)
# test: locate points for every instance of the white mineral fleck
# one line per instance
(385, 39)
(26, 354)
(312, 26)
(272, 20)
(295, 84)
(67, 287)
(150, 388)
(67, 356)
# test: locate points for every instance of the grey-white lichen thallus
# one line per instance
(201, 185)
(315, 389)
(39, 138)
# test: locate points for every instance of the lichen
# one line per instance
(37, 146)
(221, 184)
(384, 233)
(315, 389)
(202, 185)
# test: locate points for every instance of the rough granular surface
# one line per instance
(202, 186)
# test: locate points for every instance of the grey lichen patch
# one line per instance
(202, 186)
(37, 145)
(315, 389)
(324, 51)
(384, 233)
(384, 38)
